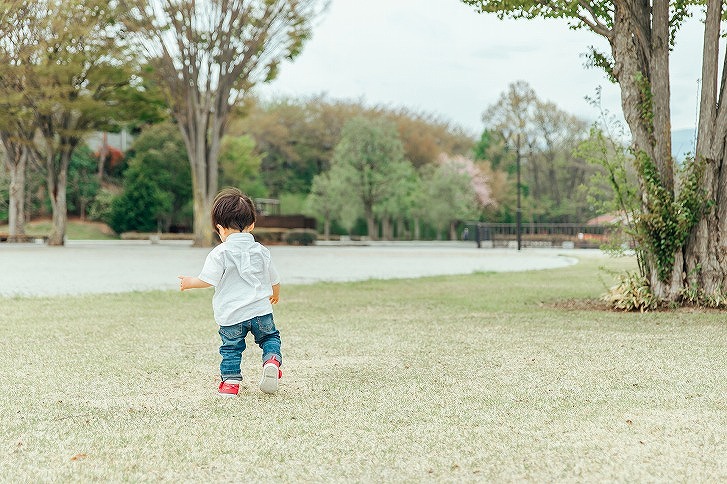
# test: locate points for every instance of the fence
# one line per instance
(540, 235)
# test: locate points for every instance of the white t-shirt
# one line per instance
(243, 275)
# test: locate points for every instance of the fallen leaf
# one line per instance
(79, 456)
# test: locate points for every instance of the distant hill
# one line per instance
(682, 143)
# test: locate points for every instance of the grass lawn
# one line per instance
(488, 377)
(75, 230)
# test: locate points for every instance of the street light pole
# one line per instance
(519, 209)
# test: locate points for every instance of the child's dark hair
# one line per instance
(233, 210)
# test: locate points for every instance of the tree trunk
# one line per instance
(706, 249)
(641, 66)
(57, 179)
(327, 228)
(202, 132)
(453, 230)
(371, 227)
(17, 168)
(102, 154)
(387, 232)
(401, 229)
(202, 209)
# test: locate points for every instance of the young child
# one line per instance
(246, 286)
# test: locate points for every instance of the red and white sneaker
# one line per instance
(271, 375)
(229, 388)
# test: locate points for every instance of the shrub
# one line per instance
(100, 207)
(301, 237)
(139, 207)
(269, 235)
(632, 293)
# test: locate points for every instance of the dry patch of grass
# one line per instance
(464, 378)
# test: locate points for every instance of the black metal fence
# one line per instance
(540, 235)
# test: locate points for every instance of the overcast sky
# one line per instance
(441, 57)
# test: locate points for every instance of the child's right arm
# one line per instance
(189, 282)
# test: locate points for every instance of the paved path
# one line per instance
(121, 266)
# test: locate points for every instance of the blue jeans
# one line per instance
(233, 343)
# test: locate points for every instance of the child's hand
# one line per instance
(183, 282)
(276, 294)
(189, 282)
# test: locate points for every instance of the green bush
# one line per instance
(139, 207)
(300, 237)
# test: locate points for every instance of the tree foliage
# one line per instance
(83, 184)
(448, 194)
(552, 171)
(67, 68)
(296, 137)
(369, 152)
(206, 55)
(141, 207)
(240, 166)
(159, 156)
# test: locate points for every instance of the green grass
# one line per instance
(75, 230)
(474, 378)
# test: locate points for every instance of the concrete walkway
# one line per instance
(122, 266)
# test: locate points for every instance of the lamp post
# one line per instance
(519, 209)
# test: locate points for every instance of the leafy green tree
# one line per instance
(141, 207)
(396, 207)
(240, 166)
(159, 155)
(16, 122)
(328, 201)
(73, 67)
(680, 227)
(83, 184)
(369, 152)
(447, 196)
(206, 55)
(492, 147)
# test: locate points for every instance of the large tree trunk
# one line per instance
(202, 209)
(202, 133)
(641, 66)
(706, 249)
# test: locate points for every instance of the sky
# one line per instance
(442, 58)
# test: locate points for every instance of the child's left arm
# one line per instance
(189, 282)
(276, 294)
